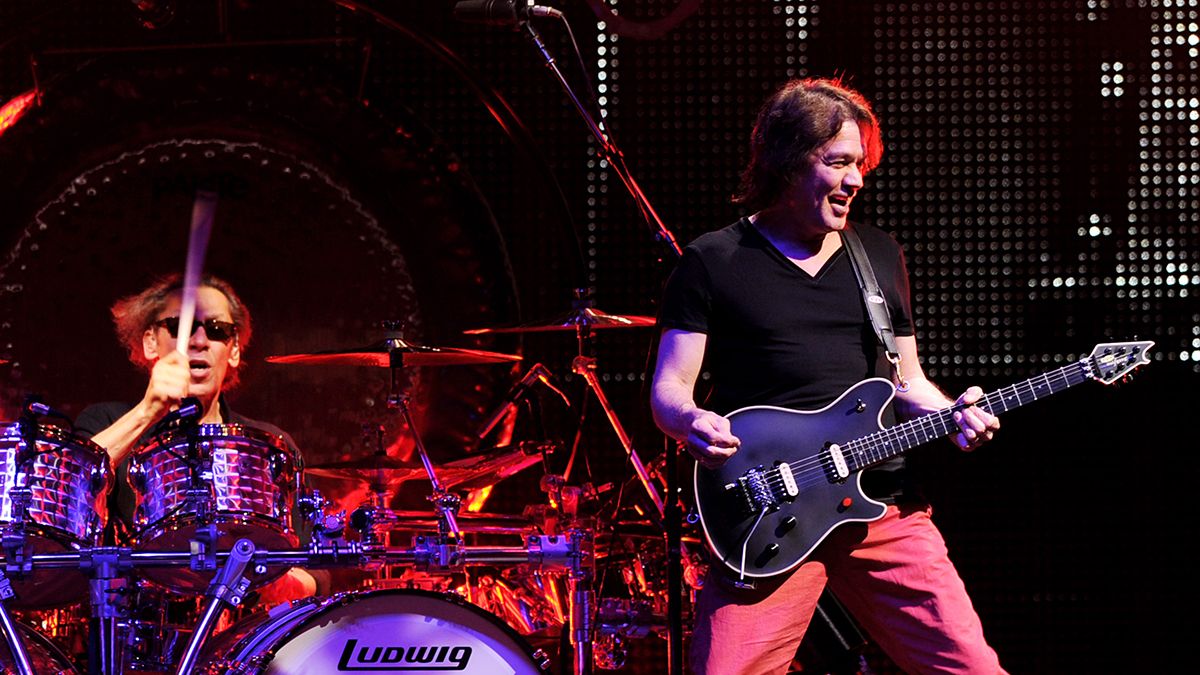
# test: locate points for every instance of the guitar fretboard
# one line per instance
(883, 445)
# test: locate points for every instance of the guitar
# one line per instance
(797, 474)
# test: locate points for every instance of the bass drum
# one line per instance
(389, 631)
(45, 658)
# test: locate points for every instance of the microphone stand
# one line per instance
(672, 513)
(610, 152)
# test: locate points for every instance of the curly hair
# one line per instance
(133, 315)
(795, 121)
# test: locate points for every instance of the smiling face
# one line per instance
(818, 200)
(210, 360)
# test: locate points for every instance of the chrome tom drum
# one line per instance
(67, 479)
(243, 480)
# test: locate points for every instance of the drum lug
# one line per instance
(137, 476)
(99, 478)
(279, 464)
(541, 659)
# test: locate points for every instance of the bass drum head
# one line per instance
(388, 631)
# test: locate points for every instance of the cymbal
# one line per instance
(577, 319)
(372, 469)
(480, 471)
(395, 353)
(468, 473)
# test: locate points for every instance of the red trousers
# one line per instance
(893, 575)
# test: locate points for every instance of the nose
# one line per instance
(199, 339)
(853, 178)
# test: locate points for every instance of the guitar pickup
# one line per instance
(789, 481)
(838, 466)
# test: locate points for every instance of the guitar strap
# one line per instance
(877, 309)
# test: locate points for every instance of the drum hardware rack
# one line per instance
(108, 569)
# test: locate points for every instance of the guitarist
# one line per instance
(771, 307)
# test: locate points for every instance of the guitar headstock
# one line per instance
(1111, 361)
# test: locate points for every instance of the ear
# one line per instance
(235, 353)
(150, 345)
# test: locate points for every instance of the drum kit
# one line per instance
(222, 510)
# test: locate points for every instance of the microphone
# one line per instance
(34, 408)
(189, 410)
(501, 12)
(518, 390)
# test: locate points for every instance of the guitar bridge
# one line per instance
(762, 488)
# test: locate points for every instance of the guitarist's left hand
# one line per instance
(976, 425)
(921, 397)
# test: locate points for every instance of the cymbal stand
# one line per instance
(585, 367)
(582, 595)
(678, 556)
(583, 601)
(228, 587)
(445, 502)
(671, 253)
(8, 630)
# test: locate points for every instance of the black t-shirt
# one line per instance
(778, 336)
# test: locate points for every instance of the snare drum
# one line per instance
(375, 631)
(241, 479)
(67, 478)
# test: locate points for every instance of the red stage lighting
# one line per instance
(16, 108)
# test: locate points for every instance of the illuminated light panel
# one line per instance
(605, 66)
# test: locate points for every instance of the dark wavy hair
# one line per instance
(133, 315)
(800, 117)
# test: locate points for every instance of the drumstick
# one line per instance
(202, 217)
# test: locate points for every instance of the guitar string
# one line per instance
(940, 423)
(813, 470)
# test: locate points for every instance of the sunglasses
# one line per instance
(215, 329)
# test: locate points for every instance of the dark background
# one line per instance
(382, 161)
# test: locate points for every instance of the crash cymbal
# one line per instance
(395, 353)
(577, 319)
(480, 471)
(468, 473)
(383, 469)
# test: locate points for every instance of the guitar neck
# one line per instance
(883, 445)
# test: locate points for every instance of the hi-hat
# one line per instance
(395, 353)
(580, 318)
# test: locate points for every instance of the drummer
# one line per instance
(147, 324)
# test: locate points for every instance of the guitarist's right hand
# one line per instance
(709, 438)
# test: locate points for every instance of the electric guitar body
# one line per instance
(796, 475)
